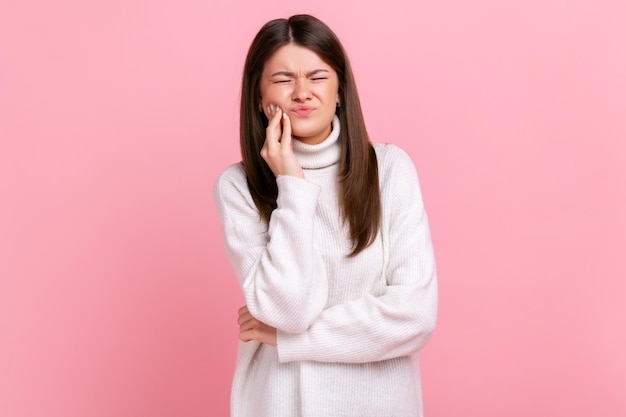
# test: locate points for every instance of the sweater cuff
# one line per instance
(290, 346)
(297, 192)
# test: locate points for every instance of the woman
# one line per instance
(329, 240)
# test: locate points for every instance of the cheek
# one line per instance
(330, 94)
(275, 95)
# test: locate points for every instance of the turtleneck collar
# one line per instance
(323, 154)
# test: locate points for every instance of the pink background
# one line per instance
(116, 298)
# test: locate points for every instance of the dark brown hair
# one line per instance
(358, 179)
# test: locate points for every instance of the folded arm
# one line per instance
(283, 283)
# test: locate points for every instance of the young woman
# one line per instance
(329, 240)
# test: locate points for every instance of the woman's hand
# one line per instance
(277, 150)
(252, 329)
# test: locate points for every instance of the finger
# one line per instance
(243, 314)
(255, 331)
(274, 129)
(244, 336)
(286, 136)
(247, 336)
(251, 324)
(268, 112)
(244, 318)
(247, 325)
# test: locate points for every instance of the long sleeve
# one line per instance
(399, 321)
(283, 282)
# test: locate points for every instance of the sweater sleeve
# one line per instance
(401, 320)
(282, 282)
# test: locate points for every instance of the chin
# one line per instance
(304, 134)
(307, 130)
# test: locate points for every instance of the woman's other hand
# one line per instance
(252, 329)
(277, 150)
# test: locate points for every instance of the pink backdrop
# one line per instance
(116, 298)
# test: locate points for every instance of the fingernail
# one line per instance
(284, 115)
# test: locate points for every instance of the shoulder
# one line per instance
(397, 175)
(234, 172)
(393, 159)
(231, 181)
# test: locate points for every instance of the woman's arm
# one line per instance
(282, 281)
(398, 322)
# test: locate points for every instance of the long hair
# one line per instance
(360, 204)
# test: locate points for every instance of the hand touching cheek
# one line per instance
(278, 150)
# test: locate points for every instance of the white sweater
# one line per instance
(348, 328)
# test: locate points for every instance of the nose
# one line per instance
(301, 91)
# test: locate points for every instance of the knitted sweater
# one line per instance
(348, 329)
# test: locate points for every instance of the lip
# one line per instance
(303, 111)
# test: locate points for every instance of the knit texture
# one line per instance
(348, 328)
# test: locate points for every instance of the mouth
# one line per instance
(303, 111)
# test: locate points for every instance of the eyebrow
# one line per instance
(291, 74)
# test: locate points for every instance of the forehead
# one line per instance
(294, 58)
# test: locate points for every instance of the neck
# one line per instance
(322, 154)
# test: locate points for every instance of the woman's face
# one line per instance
(305, 87)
